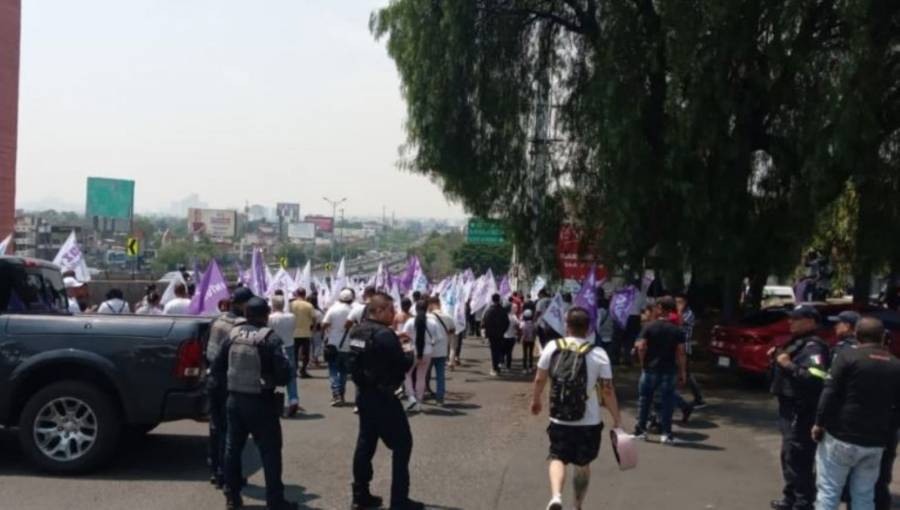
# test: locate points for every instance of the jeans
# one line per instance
(440, 373)
(647, 386)
(835, 460)
(338, 379)
(254, 415)
(292, 383)
(381, 416)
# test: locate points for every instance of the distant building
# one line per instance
(256, 212)
(36, 237)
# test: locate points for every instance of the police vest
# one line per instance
(245, 370)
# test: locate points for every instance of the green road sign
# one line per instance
(485, 232)
(110, 198)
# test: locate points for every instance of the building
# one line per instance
(10, 31)
(36, 237)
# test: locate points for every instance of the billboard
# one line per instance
(302, 231)
(323, 223)
(479, 231)
(109, 198)
(290, 212)
(213, 222)
(573, 262)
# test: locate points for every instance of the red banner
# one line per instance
(572, 263)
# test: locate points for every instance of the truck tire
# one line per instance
(69, 427)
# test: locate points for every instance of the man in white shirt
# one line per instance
(446, 329)
(74, 289)
(575, 441)
(180, 304)
(283, 324)
(115, 304)
(335, 326)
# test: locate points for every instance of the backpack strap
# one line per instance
(585, 348)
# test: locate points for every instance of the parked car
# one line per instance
(775, 296)
(73, 385)
(744, 346)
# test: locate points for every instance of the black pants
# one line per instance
(798, 452)
(301, 353)
(509, 345)
(496, 345)
(381, 416)
(692, 383)
(527, 355)
(217, 435)
(254, 415)
(459, 345)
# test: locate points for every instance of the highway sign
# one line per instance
(481, 231)
(283, 261)
(329, 266)
(132, 247)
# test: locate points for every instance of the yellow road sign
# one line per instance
(132, 247)
(329, 266)
(284, 262)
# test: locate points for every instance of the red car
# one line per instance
(744, 346)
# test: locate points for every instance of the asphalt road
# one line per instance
(484, 451)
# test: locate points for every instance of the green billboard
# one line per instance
(481, 231)
(109, 198)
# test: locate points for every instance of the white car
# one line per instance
(777, 296)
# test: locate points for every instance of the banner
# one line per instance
(554, 317)
(620, 304)
(211, 290)
(70, 258)
(505, 291)
(258, 283)
(587, 297)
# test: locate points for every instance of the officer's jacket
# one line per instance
(252, 360)
(380, 360)
(803, 378)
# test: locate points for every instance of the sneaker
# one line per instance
(336, 400)
(355, 410)
(686, 414)
(417, 408)
(640, 434)
(411, 405)
(555, 503)
(668, 439)
(780, 504)
(493, 373)
(292, 410)
(366, 502)
(700, 404)
(439, 402)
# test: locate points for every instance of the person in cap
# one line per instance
(216, 388)
(844, 330)
(254, 364)
(74, 290)
(798, 373)
(856, 418)
(335, 325)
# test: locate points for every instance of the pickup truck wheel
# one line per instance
(69, 427)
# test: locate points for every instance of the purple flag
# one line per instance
(210, 291)
(621, 302)
(587, 296)
(258, 282)
(505, 291)
(409, 275)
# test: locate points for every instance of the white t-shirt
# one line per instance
(336, 319)
(177, 306)
(356, 313)
(431, 334)
(598, 367)
(114, 307)
(513, 330)
(146, 309)
(74, 309)
(442, 344)
(283, 324)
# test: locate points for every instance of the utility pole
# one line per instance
(342, 233)
(334, 205)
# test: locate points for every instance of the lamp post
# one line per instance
(334, 206)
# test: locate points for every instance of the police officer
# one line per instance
(798, 375)
(844, 330)
(254, 364)
(379, 367)
(217, 391)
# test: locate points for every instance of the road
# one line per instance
(484, 451)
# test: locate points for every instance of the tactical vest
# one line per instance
(245, 371)
(219, 332)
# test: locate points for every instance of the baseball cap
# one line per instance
(346, 296)
(848, 316)
(805, 312)
(70, 282)
(241, 295)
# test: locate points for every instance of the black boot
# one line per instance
(366, 502)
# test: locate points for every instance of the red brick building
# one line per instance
(10, 30)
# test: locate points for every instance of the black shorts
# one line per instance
(577, 445)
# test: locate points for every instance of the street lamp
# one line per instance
(334, 206)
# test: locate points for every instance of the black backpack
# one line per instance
(568, 375)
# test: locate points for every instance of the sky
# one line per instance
(234, 101)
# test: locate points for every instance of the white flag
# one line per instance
(5, 244)
(539, 284)
(70, 258)
(304, 280)
(281, 281)
(169, 294)
(554, 317)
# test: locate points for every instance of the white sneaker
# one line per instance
(493, 373)
(411, 405)
(555, 503)
(668, 439)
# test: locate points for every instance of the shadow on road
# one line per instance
(295, 493)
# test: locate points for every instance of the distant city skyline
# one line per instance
(284, 104)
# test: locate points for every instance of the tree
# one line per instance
(480, 258)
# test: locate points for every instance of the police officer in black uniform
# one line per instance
(217, 390)
(798, 375)
(253, 363)
(379, 367)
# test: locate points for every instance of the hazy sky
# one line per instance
(282, 100)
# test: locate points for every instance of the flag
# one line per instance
(240, 274)
(339, 282)
(505, 291)
(258, 282)
(409, 274)
(620, 304)
(554, 317)
(281, 281)
(462, 296)
(587, 297)
(5, 244)
(70, 258)
(420, 281)
(210, 291)
(484, 289)
(304, 279)
(539, 284)
(169, 293)
(395, 294)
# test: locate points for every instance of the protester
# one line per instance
(423, 332)
(687, 320)
(575, 423)
(660, 350)
(379, 368)
(495, 323)
(115, 304)
(305, 320)
(799, 371)
(150, 305)
(403, 315)
(856, 415)
(446, 330)
(74, 291)
(284, 324)
(358, 313)
(335, 327)
(318, 335)
(528, 336)
(543, 303)
(510, 337)
(180, 304)
(604, 326)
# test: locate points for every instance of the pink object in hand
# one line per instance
(625, 449)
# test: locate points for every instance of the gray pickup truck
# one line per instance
(73, 385)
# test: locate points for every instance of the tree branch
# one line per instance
(533, 14)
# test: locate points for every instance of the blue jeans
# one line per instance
(440, 374)
(292, 384)
(649, 383)
(835, 461)
(338, 379)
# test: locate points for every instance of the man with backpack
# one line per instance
(581, 378)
